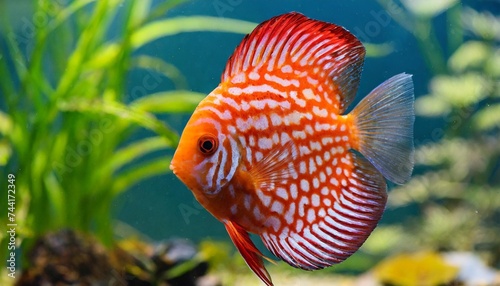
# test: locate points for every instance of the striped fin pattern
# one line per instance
(384, 123)
(293, 41)
(343, 228)
(284, 167)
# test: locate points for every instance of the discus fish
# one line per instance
(269, 150)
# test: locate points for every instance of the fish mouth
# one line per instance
(172, 166)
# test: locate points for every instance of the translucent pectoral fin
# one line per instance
(276, 167)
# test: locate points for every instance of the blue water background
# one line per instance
(162, 207)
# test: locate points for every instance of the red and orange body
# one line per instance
(269, 150)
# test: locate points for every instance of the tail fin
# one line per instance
(384, 121)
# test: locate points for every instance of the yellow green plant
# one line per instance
(456, 186)
(65, 122)
(421, 268)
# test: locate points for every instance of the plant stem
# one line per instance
(455, 27)
(429, 46)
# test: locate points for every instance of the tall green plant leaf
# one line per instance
(134, 151)
(123, 112)
(169, 27)
(179, 101)
(140, 172)
(160, 66)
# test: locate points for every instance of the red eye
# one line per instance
(207, 144)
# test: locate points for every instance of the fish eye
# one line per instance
(207, 144)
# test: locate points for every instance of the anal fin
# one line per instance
(253, 256)
(343, 229)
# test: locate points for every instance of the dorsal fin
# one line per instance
(306, 44)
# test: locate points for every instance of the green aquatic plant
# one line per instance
(416, 16)
(65, 122)
(456, 186)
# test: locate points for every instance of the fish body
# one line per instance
(269, 150)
